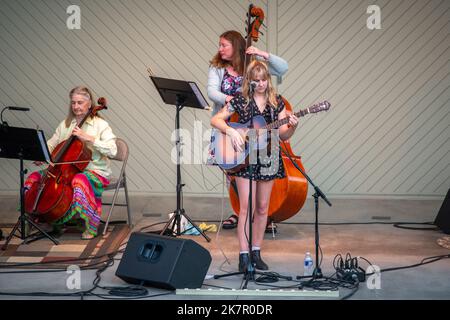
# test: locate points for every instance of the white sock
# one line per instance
(255, 248)
(243, 252)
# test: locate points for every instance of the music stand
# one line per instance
(181, 94)
(23, 144)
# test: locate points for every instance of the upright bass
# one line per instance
(288, 194)
(51, 197)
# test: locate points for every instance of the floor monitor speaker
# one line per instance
(163, 262)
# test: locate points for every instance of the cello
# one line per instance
(288, 194)
(50, 198)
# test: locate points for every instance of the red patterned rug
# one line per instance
(44, 253)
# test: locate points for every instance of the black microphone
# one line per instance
(18, 108)
(4, 123)
(253, 84)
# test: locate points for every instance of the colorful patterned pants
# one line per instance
(86, 202)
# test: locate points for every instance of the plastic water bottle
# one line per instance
(308, 265)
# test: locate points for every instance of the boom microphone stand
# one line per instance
(317, 273)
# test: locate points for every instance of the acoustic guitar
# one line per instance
(231, 160)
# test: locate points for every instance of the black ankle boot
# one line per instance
(244, 259)
(257, 261)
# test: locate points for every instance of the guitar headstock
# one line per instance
(319, 107)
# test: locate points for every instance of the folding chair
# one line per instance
(119, 182)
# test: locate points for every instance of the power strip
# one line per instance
(348, 274)
(258, 292)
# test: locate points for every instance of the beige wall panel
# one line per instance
(386, 135)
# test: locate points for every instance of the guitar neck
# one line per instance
(279, 123)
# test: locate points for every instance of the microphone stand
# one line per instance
(250, 273)
(317, 273)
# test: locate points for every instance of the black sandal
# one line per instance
(231, 222)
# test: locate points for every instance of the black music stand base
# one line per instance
(175, 220)
(23, 219)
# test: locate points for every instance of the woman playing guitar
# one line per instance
(258, 94)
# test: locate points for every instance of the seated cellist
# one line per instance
(86, 206)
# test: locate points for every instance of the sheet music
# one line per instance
(199, 95)
(44, 146)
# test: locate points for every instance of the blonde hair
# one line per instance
(260, 69)
(83, 91)
(237, 60)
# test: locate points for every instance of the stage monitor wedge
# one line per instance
(164, 262)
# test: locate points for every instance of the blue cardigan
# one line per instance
(277, 67)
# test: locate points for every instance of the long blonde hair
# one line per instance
(237, 60)
(83, 91)
(260, 69)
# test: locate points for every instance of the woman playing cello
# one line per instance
(86, 206)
